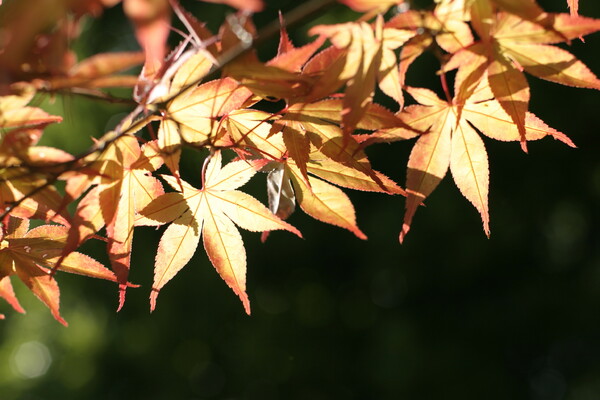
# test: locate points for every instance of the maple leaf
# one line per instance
(190, 67)
(510, 45)
(25, 169)
(290, 57)
(362, 56)
(250, 128)
(32, 254)
(326, 67)
(268, 81)
(304, 125)
(193, 67)
(329, 110)
(123, 186)
(151, 19)
(450, 142)
(286, 182)
(213, 213)
(196, 111)
(169, 143)
(14, 112)
(8, 294)
(446, 26)
(276, 79)
(317, 198)
(137, 189)
(351, 170)
(324, 201)
(41, 34)
(366, 56)
(28, 195)
(525, 9)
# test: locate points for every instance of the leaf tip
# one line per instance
(565, 139)
(403, 232)
(153, 296)
(293, 229)
(245, 302)
(264, 236)
(61, 320)
(122, 289)
(360, 234)
(486, 228)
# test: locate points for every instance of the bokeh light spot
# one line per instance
(31, 360)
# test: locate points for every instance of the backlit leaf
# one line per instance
(210, 212)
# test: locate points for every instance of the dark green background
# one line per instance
(448, 315)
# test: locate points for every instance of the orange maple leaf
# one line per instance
(446, 26)
(209, 212)
(26, 168)
(450, 142)
(510, 45)
(290, 57)
(151, 19)
(196, 111)
(317, 124)
(365, 56)
(286, 182)
(123, 185)
(33, 254)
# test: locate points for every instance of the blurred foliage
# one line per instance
(448, 315)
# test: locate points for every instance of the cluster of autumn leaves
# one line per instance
(209, 92)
